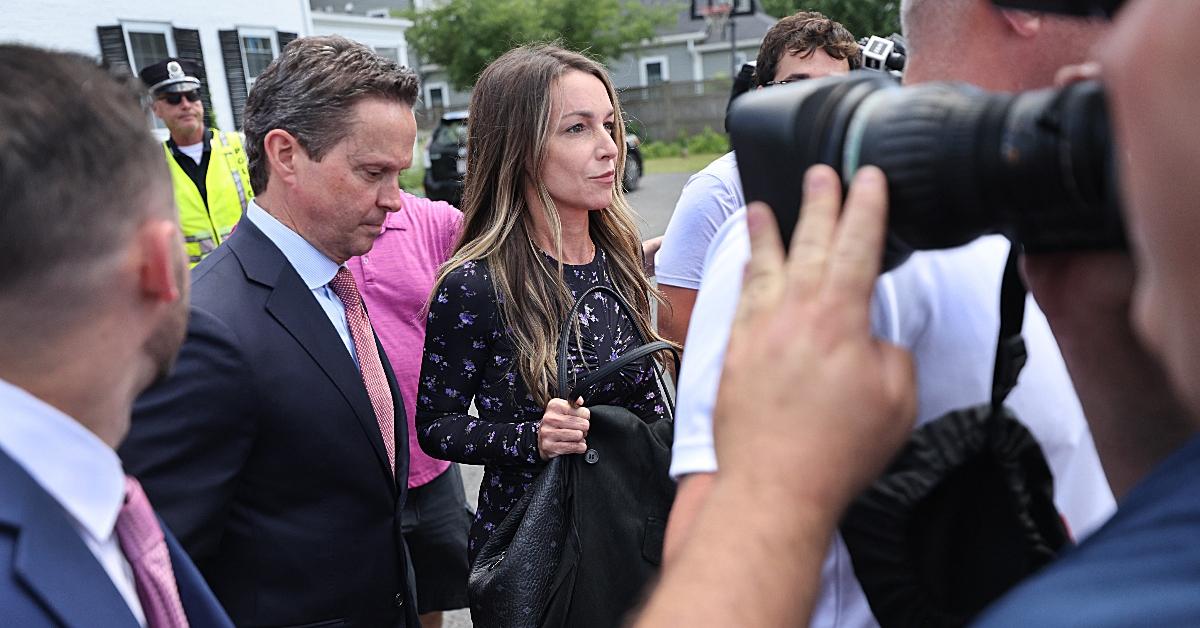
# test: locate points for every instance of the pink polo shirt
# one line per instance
(395, 279)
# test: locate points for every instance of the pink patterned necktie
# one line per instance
(145, 548)
(369, 364)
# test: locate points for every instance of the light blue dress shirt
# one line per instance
(314, 268)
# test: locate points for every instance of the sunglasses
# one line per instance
(174, 98)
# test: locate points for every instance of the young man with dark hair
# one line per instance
(802, 46)
(93, 299)
(805, 36)
(278, 449)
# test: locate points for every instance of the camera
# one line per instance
(961, 162)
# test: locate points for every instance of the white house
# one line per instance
(233, 40)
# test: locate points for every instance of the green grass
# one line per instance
(413, 179)
(691, 163)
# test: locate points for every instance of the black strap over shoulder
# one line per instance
(1010, 346)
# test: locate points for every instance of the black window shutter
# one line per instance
(187, 45)
(235, 75)
(284, 39)
(112, 49)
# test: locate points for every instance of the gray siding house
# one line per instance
(682, 51)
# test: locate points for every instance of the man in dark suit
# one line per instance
(93, 297)
(274, 448)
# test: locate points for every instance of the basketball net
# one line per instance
(716, 16)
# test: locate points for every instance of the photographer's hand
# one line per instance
(811, 408)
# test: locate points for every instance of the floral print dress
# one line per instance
(469, 356)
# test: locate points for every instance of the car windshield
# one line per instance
(450, 133)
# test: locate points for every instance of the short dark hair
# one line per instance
(309, 90)
(78, 168)
(804, 33)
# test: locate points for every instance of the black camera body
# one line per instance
(960, 162)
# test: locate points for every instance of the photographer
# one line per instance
(941, 305)
(777, 501)
(802, 46)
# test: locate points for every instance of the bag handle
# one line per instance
(621, 362)
(1010, 346)
(564, 332)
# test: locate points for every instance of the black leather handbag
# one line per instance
(586, 538)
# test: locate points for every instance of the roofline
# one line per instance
(361, 19)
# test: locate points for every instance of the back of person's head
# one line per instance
(507, 135)
(79, 173)
(309, 91)
(804, 33)
(1004, 50)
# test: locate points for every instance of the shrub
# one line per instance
(707, 141)
(658, 150)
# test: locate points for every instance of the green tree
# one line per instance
(463, 36)
(862, 17)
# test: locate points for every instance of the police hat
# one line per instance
(171, 75)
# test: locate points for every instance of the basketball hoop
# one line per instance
(716, 15)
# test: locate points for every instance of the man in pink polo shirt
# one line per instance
(395, 280)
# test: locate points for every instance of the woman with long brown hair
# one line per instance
(545, 219)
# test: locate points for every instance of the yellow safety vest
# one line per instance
(227, 182)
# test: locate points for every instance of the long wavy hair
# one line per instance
(507, 133)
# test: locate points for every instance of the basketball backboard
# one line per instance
(740, 7)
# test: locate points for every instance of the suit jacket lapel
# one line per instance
(51, 558)
(291, 303)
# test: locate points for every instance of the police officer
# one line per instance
(208, 166)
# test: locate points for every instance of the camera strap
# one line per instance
(1010, 346)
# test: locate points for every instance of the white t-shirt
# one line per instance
(944, 307)
(707, 200)
(195, 151)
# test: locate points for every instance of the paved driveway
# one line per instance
(654, 200)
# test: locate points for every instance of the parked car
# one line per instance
(446, 159)
(633, 162)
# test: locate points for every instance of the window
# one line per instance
(148, 43)
(388, 52)
(437, 95)
(654, 71)
(259, 48)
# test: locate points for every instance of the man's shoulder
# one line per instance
(721, 173)
(425, 211)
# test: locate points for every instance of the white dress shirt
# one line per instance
(78, 470)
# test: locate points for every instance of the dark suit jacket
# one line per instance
(49, 577)
(262, 452)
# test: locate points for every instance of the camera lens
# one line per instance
(961, 162)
